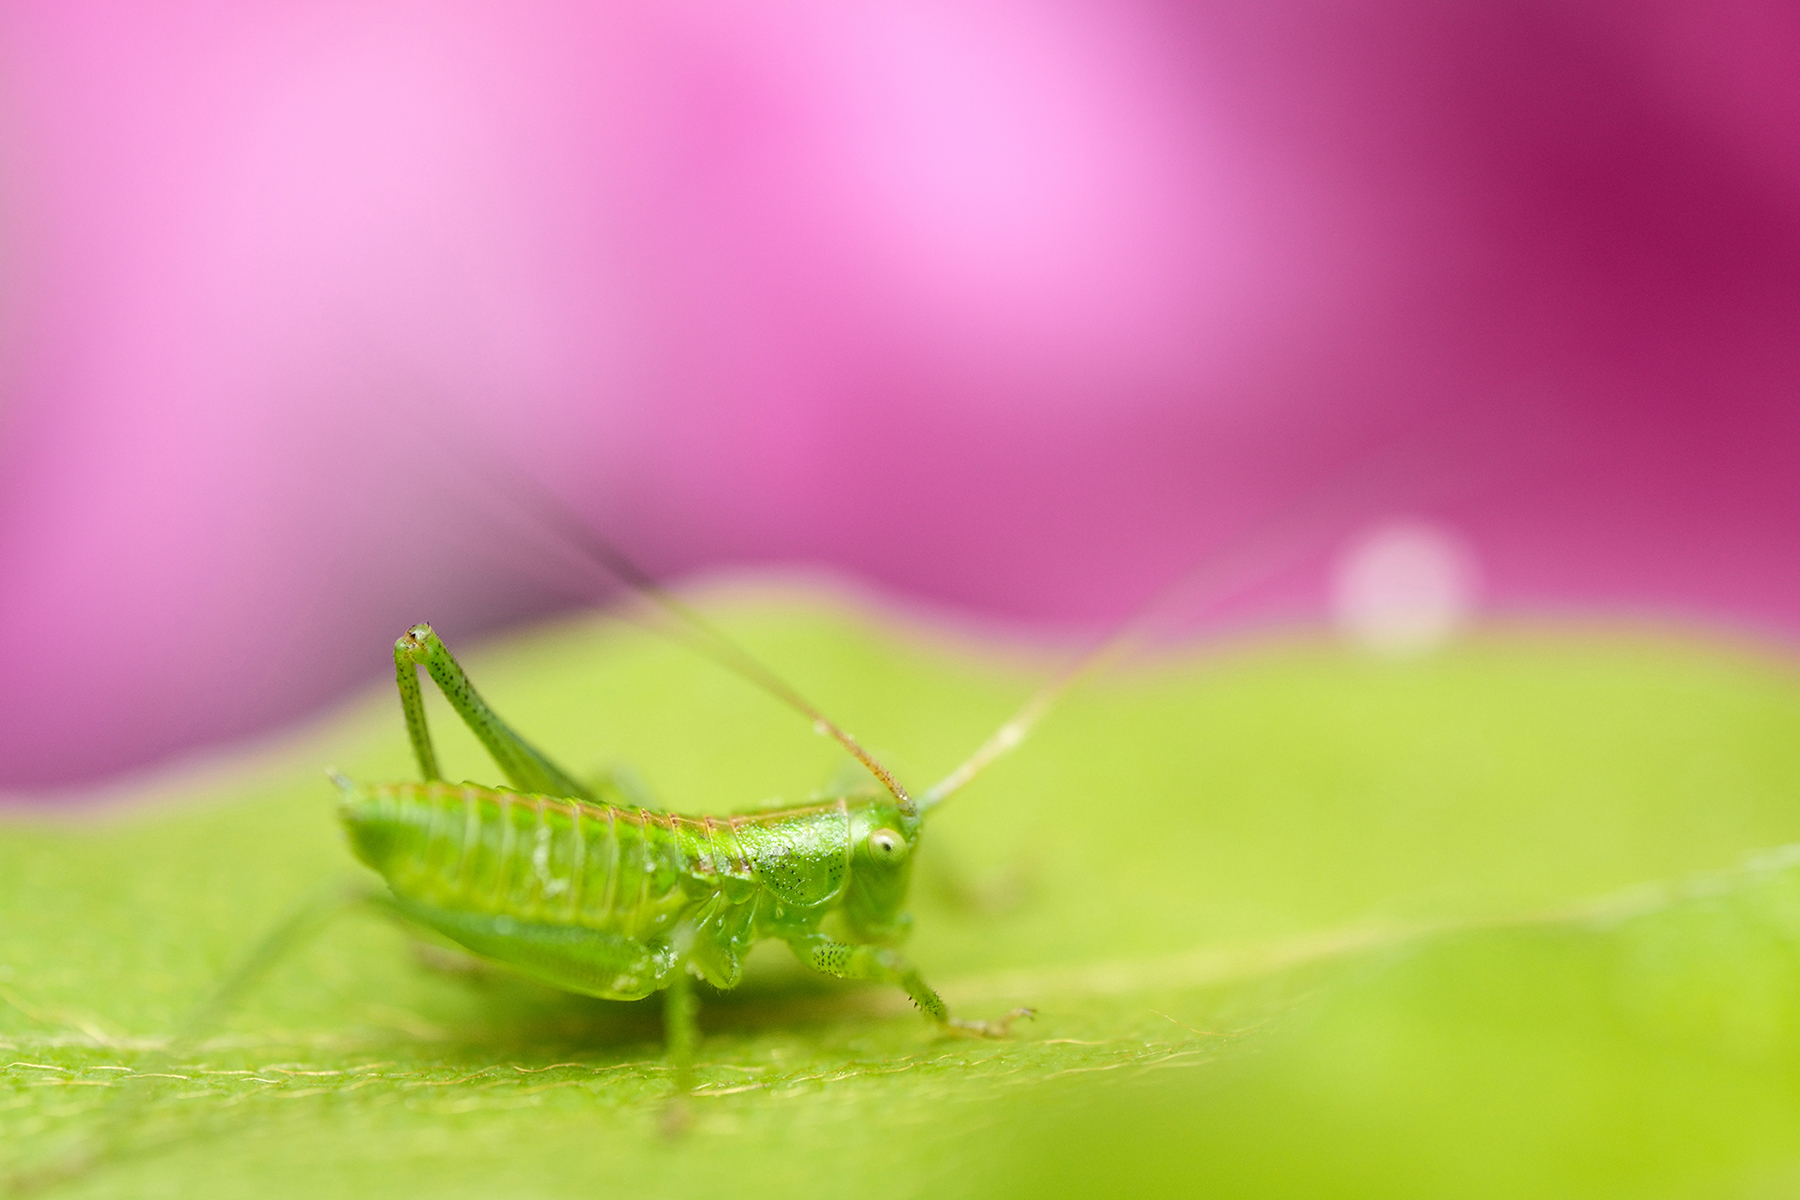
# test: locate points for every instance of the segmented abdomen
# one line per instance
(536, 858)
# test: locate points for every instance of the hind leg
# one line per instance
(525, 766)
(120, 1117)
(295, 929)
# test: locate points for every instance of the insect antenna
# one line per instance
(1306, 525)
(1246, 561)
(1301, 527)
(554, 516)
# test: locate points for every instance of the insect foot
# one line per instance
(989, 1029)
(677, 1117)
(30, 1181)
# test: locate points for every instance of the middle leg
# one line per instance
(681, 1031)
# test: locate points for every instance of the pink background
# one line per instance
(1012, 309)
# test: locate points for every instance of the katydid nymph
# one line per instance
(582, 887)
(576, 886)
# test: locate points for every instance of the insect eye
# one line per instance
(885, 843)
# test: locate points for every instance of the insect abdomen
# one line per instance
(535, 858)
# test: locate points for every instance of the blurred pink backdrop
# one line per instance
(1012, 309)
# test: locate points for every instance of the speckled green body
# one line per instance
(572, 885)
(608, 898)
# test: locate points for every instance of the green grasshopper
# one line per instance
(579, 888)
(586, 889)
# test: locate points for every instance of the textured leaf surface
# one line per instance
(1296, 922)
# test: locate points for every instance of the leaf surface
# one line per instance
(1295, 921)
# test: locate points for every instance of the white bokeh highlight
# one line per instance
(1404, 587)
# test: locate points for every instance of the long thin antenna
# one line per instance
(1251, 559)
(703, 636)
(1303, 526)
(723, 648)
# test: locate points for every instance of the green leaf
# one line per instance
(1296, 921)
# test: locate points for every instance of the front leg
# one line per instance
(844, 960)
